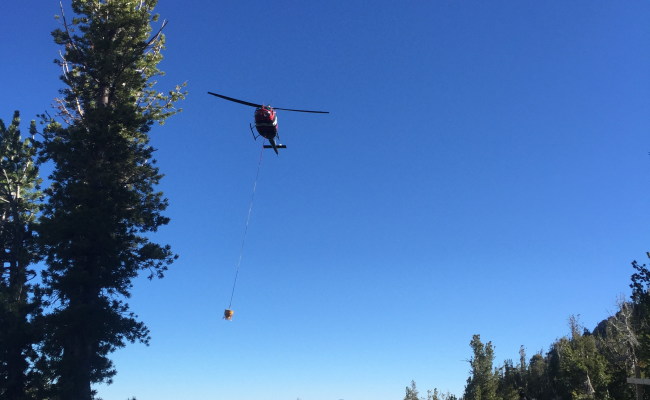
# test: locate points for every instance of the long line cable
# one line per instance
(248, 219)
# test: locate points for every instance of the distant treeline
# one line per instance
(584, 365)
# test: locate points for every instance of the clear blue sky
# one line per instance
(484, 169)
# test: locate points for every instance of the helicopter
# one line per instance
(266, 121)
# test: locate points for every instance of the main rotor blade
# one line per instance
(246, 103)
(309, 111)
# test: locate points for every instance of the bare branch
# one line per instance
(157, 35)
(67, 30)
(64, 113)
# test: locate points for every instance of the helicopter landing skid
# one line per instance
(252, 132)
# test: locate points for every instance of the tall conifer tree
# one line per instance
(102, 201)
(412, 392)
(19, 300)
(482, 382)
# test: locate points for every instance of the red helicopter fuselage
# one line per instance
(266, 122)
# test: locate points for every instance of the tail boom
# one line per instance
(274, 146)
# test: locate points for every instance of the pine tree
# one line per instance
(412, 392)
(102, 203)
(482, 383)
(19, 300)
(538, 380)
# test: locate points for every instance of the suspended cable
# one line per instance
(228, 312)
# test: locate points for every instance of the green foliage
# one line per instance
(482, 382)
(584, 365)
(412, 392)
(20, 301)
(111, 60)
(582, 370)
(435, 394)
(510, 381)
(537, 384)
(641, 302)
(102, 203)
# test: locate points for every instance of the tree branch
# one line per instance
(157, 35)
(67, 30)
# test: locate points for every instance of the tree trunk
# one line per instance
(589, 387)
(639, 388)
(75, 382)
(16, 366)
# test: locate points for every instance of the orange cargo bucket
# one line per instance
(227, 314)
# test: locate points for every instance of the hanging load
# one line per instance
(228, 312)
